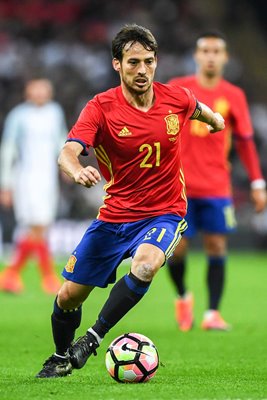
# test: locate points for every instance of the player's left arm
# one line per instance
(247, 152)
(246, 149)
(214, 120)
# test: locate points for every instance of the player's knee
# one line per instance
(143, 271)
(216, 248)
(68, 298)
(147, 261)
(215, 245)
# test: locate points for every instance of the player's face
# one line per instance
(39, 92)
(211, 56)
(137, 68)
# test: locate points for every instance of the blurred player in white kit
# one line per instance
(34, 132)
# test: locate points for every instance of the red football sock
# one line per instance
(22, 252)
(45, 260)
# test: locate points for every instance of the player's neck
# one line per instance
(142, 102)
(208, 82)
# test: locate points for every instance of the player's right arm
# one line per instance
(69, 163)
(246, 148)
(214, 120)
(8, 155)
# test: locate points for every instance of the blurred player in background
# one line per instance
(207, 177)
(135, 131)
(34, 132)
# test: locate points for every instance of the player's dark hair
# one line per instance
(211, 34)
(133, 33)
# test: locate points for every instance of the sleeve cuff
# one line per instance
(258, 184)
(197, 111)
(84, 151)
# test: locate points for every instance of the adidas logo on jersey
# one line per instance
(124, 132)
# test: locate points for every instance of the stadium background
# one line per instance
(69, 42)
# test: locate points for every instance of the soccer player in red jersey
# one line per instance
(207, 176)
(135, 131)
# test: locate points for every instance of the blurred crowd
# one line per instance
(69, 42)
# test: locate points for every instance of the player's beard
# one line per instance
(135, 90)
(212, 71)
(210, 74)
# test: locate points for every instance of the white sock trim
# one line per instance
(185, 296)
(98, 338)
(59, 356)
(209, 313)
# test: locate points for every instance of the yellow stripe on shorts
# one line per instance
(181, 227)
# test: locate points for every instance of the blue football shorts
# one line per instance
(210, 215)
(104, 245)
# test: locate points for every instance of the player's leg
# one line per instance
(91, 264)
(124, 295)
(65, 319)
(216, 248)
(50, 281)
(177, 266)
(184, 302)
(151, 242)
(219, 221)
(67, 313)
(149, 245)
(129, 290)
(34, 214)
(10, 278)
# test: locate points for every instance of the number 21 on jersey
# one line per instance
(149, 151)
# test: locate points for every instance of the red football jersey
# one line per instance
(138, 152)
(205, 155)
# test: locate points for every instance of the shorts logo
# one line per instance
(172, 123)
(71, 264)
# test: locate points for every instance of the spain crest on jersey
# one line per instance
(71, 264)
(172, 122)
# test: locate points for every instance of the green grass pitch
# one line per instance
(197, 365)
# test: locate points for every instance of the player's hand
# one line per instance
(259, 199)
(6, 199)
(88, 176)
(217, 123)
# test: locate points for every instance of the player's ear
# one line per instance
(116, 64)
